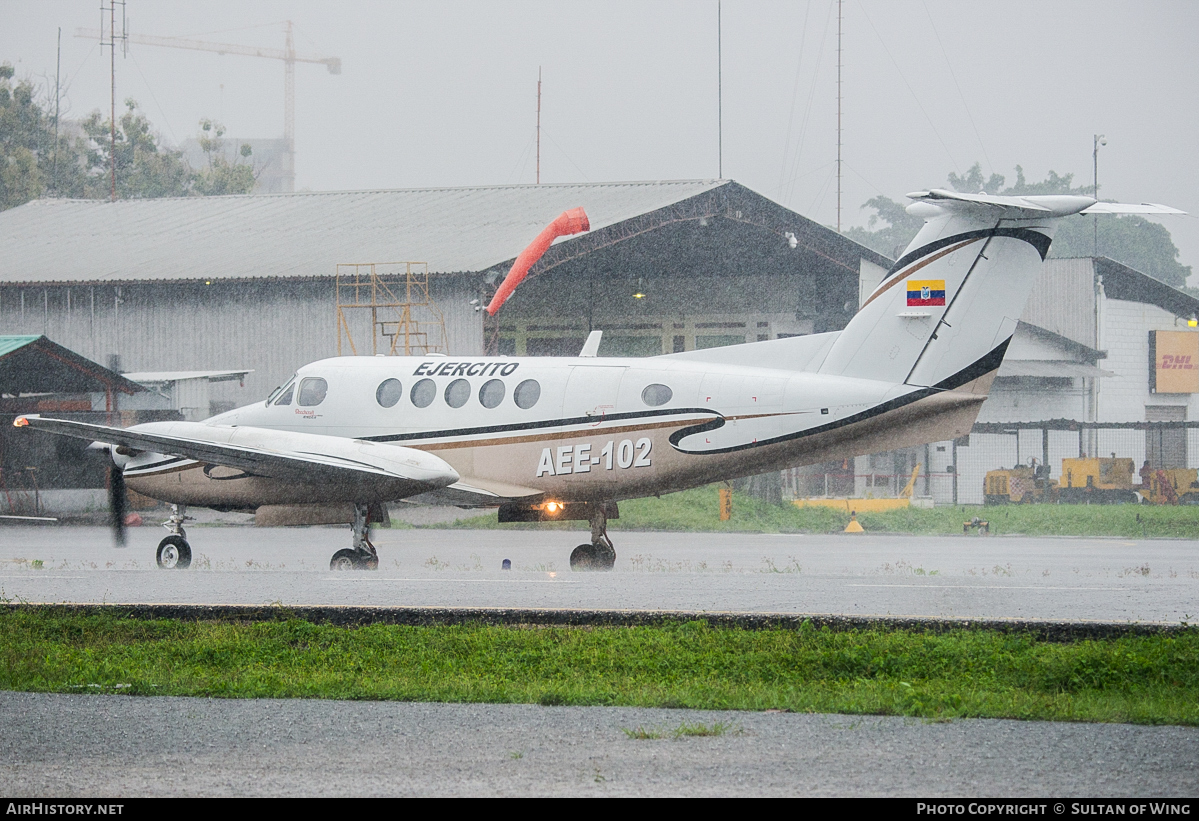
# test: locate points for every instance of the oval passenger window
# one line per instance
(492, 393)
(655, 395)
(312, 392)
(457, 392)
(526, 394)
(423, 393)
(389, 392)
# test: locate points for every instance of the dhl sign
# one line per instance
(1173, 362)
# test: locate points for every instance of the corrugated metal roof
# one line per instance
(8, 344)
(306, 234)
(162, 377)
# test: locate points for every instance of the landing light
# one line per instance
(552, 507)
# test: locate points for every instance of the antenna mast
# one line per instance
(839, 2)
(111, 8)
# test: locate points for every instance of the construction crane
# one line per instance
(287, 55)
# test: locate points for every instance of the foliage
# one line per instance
(221, 176)
(33, 165)
(960, 673)
(29, 161)
(1132, 240)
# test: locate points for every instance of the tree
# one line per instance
(33, 165)
(221, 176)
(1132, 240)
(143, 168)
(30, 163)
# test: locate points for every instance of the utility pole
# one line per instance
(719, 100)
(539, 125)
(839, 116)
(1099, 140)
(57, 100)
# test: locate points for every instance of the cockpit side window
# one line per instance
(312, 391)
(284, 394)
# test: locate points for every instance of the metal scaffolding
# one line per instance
(402, 314)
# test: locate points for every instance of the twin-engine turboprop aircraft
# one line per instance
(567, 438)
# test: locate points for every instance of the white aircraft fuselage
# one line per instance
(599, 429)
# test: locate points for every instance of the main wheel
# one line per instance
(583, 557)
(346, 559)
(174, 553)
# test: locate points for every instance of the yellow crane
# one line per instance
(287, 54)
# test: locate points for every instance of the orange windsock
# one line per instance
(569, 222)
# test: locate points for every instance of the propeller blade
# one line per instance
(118, 503)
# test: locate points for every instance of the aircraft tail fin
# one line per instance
(945, 312)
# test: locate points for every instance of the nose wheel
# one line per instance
(362, 556)
(174, 553)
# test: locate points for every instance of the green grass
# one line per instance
(698, 510)
(887, 672)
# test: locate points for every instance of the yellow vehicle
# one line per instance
(1021, 484)
(1171, 486)
(1098, 481)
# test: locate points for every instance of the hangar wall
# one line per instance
(272, 326)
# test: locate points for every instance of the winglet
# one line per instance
(591, 346)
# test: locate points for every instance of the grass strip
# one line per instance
(698, 510)
(962, 673)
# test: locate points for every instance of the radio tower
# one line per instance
(111, 42)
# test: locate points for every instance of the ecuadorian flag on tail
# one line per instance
(926, 292)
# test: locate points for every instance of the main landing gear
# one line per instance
(174, 553)
(362, 555)
(600, 554)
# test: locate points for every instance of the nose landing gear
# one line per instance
(600, 554)
(174, 553)
(362, 556)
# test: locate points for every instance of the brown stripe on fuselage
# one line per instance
(907, 272)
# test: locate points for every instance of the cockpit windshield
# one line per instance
(282, 395)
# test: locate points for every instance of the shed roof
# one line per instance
(34, 364)
(305, 235)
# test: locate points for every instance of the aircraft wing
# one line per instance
(1129, 208)
(301, 457)
(472, 491)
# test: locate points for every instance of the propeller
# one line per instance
(118, 503)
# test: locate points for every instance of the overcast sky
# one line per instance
(444, 93)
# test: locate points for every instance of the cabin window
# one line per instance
(527, 393)
(492, 393)
(389, 392)
(423, 393)
(655, 395)
(457, 392)
(285, 394)
(312, 392)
